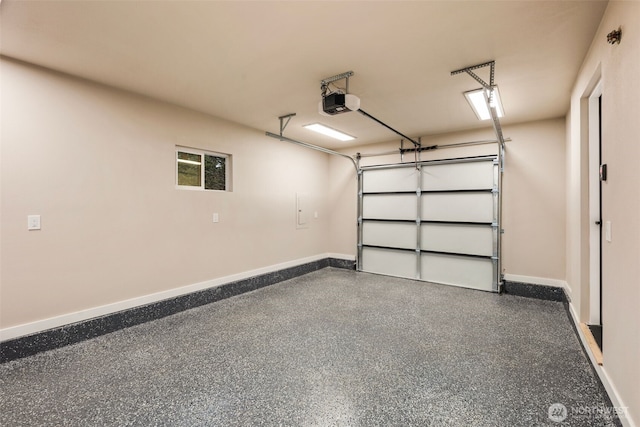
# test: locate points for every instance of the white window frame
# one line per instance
(202, 153)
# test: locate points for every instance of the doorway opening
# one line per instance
(596, 175)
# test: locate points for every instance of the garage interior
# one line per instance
(168, 213)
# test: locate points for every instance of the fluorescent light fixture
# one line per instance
(479, 105)
(326, 130)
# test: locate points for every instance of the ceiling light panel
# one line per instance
(476, 98)
(326, 130)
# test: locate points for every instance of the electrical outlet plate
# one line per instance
(33, 222)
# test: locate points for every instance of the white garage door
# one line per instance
(435, 221)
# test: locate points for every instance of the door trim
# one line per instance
(595, 214)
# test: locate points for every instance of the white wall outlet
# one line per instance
(315, 214)
(33, 222)
(216, 217)
(607, 231)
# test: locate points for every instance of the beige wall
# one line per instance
(619, 67)
(98, 166)
(534, 194)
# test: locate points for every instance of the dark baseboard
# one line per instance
(342, 263)
(29, 345)
(549, 293)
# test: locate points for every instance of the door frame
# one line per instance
(595, 207)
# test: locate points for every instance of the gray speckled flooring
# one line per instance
(331, 348)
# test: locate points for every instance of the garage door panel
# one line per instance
(458, 176)
(386, 180)
(391, 234)
(390, 206)
(462, 207)
(476, 273)
(446, 209)
(390, 262)
(457, 238)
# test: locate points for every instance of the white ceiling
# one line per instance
(250, 62)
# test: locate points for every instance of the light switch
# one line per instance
(33, 222)
(607, 231)
(315, 214)
(216, 217)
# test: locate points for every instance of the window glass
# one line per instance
(189, 169)
(215, 173)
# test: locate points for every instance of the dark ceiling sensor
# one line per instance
(614, 36)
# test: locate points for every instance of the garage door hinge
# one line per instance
(495, 190)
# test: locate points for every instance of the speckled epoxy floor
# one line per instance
(331, 348)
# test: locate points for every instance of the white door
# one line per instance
(435, 221)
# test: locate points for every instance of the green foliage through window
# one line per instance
(215, 175)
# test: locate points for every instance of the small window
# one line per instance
(202, 170)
